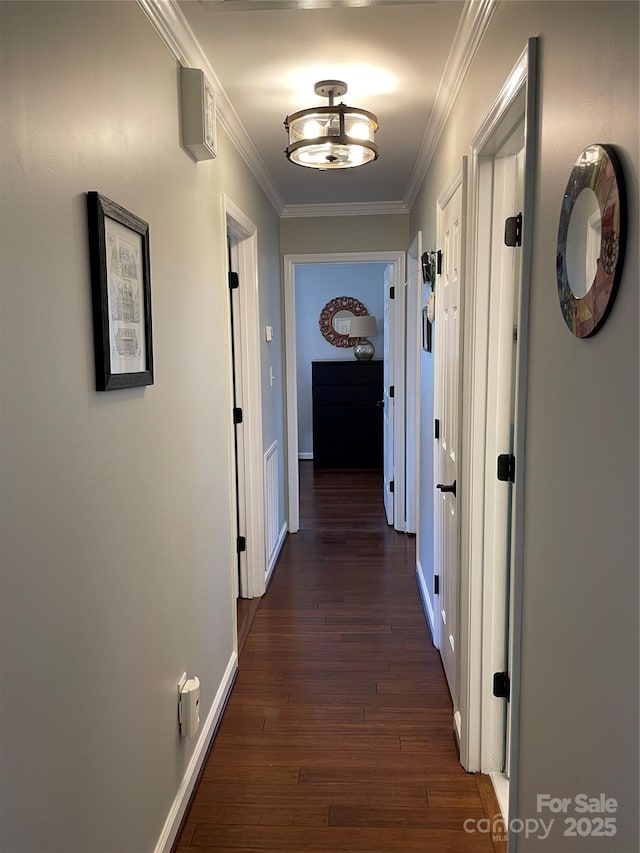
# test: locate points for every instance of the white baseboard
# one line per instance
(181, 801)
(276, 553)
(426, 603)
(305, 455)
(501, 787)
(457, 722)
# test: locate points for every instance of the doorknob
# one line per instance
(451, 488)
(380, 403)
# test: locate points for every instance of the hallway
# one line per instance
(338, 732)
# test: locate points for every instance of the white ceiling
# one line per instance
(268, 55)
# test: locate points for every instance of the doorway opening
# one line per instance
(393, 260)
(241, 239)
(501, 185)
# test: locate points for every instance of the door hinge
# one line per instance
(436, 428)
(392, 486)
(439, 262)
(241, 544)
(392, 390)
(507, 468)
(237, 415)
(392, 293)
(436, 584)
(501, 685)
(513, 230)
(234, 281)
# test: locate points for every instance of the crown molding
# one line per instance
(357, 208)
(472, 27)
(173, 28)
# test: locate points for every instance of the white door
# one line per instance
(505, 198)
(388, 400)
(241, 576)
(242, 235)
(516, 282)
(447, 412)
(413, 355)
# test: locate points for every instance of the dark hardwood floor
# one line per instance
(338, 733)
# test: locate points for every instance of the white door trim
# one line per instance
(413, 359)
(236, 224)
(398, 380)
(520, 88)
(388, 400)
(457, 181)
(397, 261)
(505, 199)
(240, 526)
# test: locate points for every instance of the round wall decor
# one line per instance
(335, 319)
(591, 240)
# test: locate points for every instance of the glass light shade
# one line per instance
(334, 137)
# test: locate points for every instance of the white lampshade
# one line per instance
(363, 327)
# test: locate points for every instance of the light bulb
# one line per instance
(312, 129)
(359, 130)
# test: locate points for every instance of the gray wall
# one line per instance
(579, 694)
(317, 284)
(116, 527)
(311, 234)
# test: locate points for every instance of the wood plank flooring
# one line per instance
(338, 734)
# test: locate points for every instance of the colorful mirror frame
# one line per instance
(598, 169)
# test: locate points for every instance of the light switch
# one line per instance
(268, 333)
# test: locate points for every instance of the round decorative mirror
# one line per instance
(335, 320)
(591, 240)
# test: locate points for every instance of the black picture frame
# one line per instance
(431, 263)
(121, 295)
(427, 340)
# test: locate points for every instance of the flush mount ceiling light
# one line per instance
(333, 137)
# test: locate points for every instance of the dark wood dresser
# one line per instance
(347, 420)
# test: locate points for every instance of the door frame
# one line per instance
(389, 493)
(249, 381)
(239, 502)
(397, 261)
(413, 307)
(457, 181)
(520, 86)
(500, 197)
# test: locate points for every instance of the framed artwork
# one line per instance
(431, 263)
(427, 344)
(121, 295)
